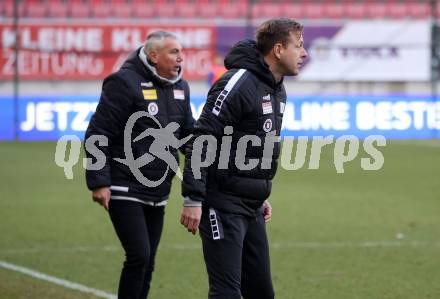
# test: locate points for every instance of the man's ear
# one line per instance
(152, 56)
(277, 50)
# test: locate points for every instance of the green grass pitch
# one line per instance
(357, 235)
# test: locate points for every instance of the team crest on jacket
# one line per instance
(267, 126)
(153, 109)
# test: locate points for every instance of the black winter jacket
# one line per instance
(247, 98)
(134, 87)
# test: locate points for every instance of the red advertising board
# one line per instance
(88, 52)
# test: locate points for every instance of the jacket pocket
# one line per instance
(257, 189)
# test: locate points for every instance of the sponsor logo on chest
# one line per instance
(149, 94)
(179, 94)
(267, 107)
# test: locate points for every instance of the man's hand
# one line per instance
(190, 218)
(102, 196)
(267, 212)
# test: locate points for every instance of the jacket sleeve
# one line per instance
(188, 125)
(221, 109)
(112, 113)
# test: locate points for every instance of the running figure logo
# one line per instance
(164, 138)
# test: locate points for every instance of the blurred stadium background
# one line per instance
(373, 69)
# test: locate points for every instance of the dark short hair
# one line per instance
(275, 31)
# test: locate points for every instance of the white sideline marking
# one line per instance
(58, 281)
(273, 245)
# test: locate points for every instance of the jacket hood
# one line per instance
(138, 60)
(245, 55)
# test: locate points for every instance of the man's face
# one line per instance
(293, 55)
(168, 58)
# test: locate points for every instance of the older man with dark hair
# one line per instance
(229, 204)
(148, 81)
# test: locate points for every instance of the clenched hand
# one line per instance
(267, 211)
(102, 196)
(190, 218)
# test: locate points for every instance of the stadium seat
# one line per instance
(8, 9)
(57, 9)
(209, 10)
(398, 10)
(376, 10)
(187, 10)
(355, 10)
(79, 9)
(266, 10)
(229, 10)
(34, 9)
(143, 10)
(334, 10)
(100, 8)
(313, 11)
(419, 10)
(292, 10)
(164, 10)
(122, 10)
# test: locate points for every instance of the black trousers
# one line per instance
(139, 228)
(236, 253)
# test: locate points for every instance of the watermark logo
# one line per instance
(160, 148)
(163, 140)
(205, 149)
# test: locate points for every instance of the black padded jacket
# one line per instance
(248, 99)
(136, 87)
